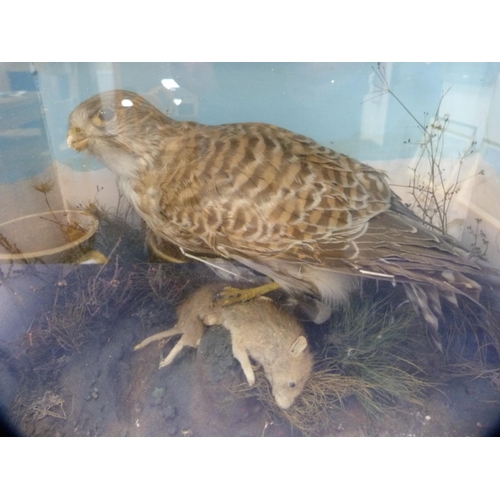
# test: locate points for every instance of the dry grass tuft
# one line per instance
(27, 412)
(369, 355)
(472, 341)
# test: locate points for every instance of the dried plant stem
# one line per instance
(432, 194)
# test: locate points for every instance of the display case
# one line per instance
(85, 276)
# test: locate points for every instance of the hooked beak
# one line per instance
(76, 139)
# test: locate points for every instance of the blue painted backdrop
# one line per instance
(338, 104)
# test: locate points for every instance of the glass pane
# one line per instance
(129, 216)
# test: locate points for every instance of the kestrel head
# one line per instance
(115, 122)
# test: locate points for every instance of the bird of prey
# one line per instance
(313, 220)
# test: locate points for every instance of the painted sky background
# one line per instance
(337, 104)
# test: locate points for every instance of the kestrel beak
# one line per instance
(76, 139)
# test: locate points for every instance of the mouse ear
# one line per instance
(298, 346)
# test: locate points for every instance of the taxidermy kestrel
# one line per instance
(312, 219)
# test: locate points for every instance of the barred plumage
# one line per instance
(312, 219)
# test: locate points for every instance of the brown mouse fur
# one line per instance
(259, 329)
(190, 318)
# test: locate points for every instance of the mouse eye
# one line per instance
(292, 385)
(106, 114)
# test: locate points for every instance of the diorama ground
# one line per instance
(377, 371)
(106, 389)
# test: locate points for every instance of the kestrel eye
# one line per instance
(292, 385)
(106, 114)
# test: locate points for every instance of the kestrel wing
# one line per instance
(259, 190)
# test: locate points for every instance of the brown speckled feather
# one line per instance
(303, 214)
